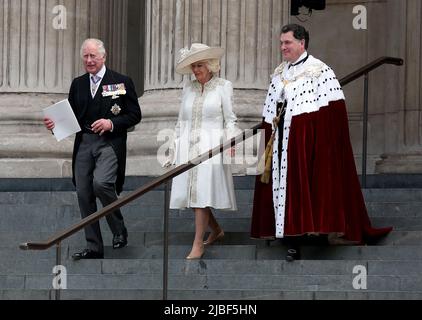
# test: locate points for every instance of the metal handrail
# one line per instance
(364, 71)
(165, 178)
(369, 67)
(139, 192)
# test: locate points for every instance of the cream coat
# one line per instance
(205, 121)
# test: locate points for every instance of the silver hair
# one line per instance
(98, 43)
(213, 65)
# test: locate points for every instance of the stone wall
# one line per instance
(38, 62)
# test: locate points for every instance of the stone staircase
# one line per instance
(235, 268)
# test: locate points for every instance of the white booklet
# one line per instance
(65, 123)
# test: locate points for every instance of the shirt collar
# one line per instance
(100, 73)
(300, 60)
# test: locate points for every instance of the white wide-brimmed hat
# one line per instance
(197, 52)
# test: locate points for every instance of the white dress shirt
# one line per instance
(99, 78)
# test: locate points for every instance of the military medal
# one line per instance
(116, 109)
(114, 90)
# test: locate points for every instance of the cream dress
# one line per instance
(206, 120)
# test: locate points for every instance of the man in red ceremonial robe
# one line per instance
(313, 188)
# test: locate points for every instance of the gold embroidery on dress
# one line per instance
(194, 145)
(194, 140)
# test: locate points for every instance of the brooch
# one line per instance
(116, 109)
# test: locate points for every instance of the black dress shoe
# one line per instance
(119, 241)
(292, 255)
(87, 254)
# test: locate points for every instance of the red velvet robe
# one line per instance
(323, 192)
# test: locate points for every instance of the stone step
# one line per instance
(207, 294)
(15, 294)
(402, 238)
(41, 211)
(13, 240)
(232, 294)
(8, 240)
(58, 198)
(65, 217)
(392, 195)
(398, 224)
(209, 266)
(349, 253)
(61, 221)
(243, 252)
(217, 282)
(243, 195)
(133, 212)
(236, 268)
(241, 182)
(394, 209)
(155, 197)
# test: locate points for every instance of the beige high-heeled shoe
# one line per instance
(189, 257)
(199, 252)
(212, 239)
(192, 257)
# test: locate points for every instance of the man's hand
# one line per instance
(49, 124)
(101, 126)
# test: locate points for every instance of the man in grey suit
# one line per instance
(106, 106)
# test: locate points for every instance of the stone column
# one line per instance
(37, 64)
(403, 123)
(247, 29)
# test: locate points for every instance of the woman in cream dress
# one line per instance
(206, 119)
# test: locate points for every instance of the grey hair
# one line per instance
(99, 44)
(213, 65)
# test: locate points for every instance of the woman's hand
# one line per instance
(168, 163)
(169, 159)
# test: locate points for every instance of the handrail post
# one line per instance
(166, 239)
(365, 130)
(58, 263)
